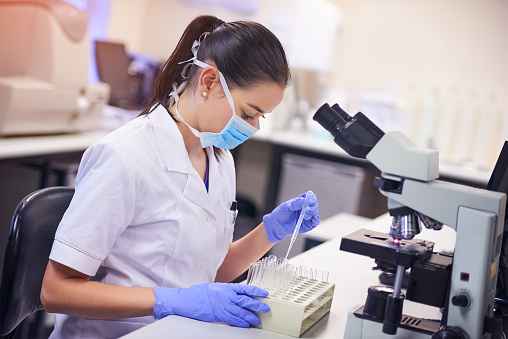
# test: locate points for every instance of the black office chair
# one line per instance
(29, 243)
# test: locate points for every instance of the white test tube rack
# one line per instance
(295, 309)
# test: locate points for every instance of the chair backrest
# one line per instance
(33, 228)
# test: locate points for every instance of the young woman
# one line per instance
(148, 232)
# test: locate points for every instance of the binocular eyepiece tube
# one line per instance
(356, 135)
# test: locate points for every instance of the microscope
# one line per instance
(462, 285)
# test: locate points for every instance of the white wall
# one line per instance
(126, 23)
(445, 42)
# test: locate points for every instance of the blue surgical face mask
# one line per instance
(234, 133)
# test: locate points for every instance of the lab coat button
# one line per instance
(203, 263)
(209, 220)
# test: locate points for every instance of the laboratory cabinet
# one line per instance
(339, 187)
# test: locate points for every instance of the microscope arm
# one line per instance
(395, 154)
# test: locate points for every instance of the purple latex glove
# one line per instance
(218, 302)
(282, 221)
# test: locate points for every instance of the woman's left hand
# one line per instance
(282, 220)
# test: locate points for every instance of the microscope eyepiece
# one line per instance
(342, 113)
(356, 135)
(330, 119)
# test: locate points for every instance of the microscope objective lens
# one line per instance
(395, 227)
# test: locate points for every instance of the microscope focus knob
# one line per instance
(449, 333)
(461, 300)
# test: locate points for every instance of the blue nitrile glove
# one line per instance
(218, 302)
(282, 221)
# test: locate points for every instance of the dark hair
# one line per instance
(245, 52)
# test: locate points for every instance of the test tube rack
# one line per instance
(295, 312)
(297, 299)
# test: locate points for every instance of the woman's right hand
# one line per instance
(283, 219)
(217, 302)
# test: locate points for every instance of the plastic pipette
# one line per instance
(299, 222)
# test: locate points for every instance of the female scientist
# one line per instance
(148, 232)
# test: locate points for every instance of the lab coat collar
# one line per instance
(170, 140)
(177, 160)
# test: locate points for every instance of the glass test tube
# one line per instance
(324, 276)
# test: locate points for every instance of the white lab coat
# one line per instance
(141, 216)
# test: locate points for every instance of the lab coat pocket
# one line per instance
(229, 228)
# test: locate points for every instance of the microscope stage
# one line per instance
(382, 247)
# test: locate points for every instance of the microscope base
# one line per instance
(359, 326)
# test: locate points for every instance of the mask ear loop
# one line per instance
(177, 89)
(222, 82)
(174, 95)
(195, 47)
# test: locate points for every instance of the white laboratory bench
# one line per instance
(306, 141)
(42, 145)
(351, 274)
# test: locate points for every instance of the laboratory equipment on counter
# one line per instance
(298, 223)
(463, 286)
(44, 85)
(297, 299)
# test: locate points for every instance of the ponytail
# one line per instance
(171, 71)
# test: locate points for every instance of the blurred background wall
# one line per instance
(427, 67)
